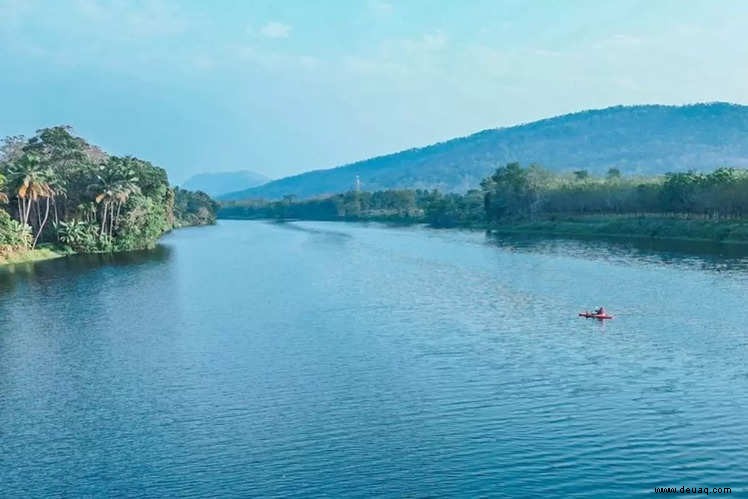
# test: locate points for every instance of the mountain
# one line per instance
(635, 139)
(216, 184)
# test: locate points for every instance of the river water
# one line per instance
(332, 359)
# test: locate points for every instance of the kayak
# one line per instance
(590, 315)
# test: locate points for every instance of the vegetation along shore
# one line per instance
(685, 205)
(61, 195)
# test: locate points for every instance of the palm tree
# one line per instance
(125, 189)
(104, 190)
(115, 183)
(58, 185)
(32, 182)
(87, 211)
(3, 196)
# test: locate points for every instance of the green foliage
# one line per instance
(12, 233)
(3, 194)
(581, 174)
(193, 208)
(95, 202)
(451, 210)
(513, 191)
(613, 173)
(80, 236)
(144, 221)
(394, 205)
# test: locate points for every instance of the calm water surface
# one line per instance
(330, 359)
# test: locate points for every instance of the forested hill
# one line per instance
(637, 139)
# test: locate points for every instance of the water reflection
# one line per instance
(60, 268)
(694, 254)
(289, 225)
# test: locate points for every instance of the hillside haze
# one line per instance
(216, 184)
(636, 139)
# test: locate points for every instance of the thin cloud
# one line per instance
(619, 40)
(275, 29)
(425, 44)
(380, 7)
(150, 18)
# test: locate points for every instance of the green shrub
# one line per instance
(12, 233)
(80, 236)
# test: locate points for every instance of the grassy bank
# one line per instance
(645, 227)
(29, 256)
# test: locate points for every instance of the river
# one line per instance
(334, 359)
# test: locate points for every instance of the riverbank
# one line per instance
(647, 227)
(29, 256)
(101, 203)
(16, 256)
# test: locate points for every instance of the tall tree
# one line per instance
(32, 184)
(115, 182)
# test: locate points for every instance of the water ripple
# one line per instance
(318, 359)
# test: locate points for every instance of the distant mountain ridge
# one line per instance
(216, 184)
(646, 139)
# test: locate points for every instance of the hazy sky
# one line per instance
(282, 87)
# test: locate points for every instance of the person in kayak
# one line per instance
(600, 311)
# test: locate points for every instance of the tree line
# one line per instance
(57, 188)
(520, 193)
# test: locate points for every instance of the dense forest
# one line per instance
(515, 194)
(57, 189)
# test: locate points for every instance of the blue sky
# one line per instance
(282, 87)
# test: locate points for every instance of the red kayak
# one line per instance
(590, 315)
